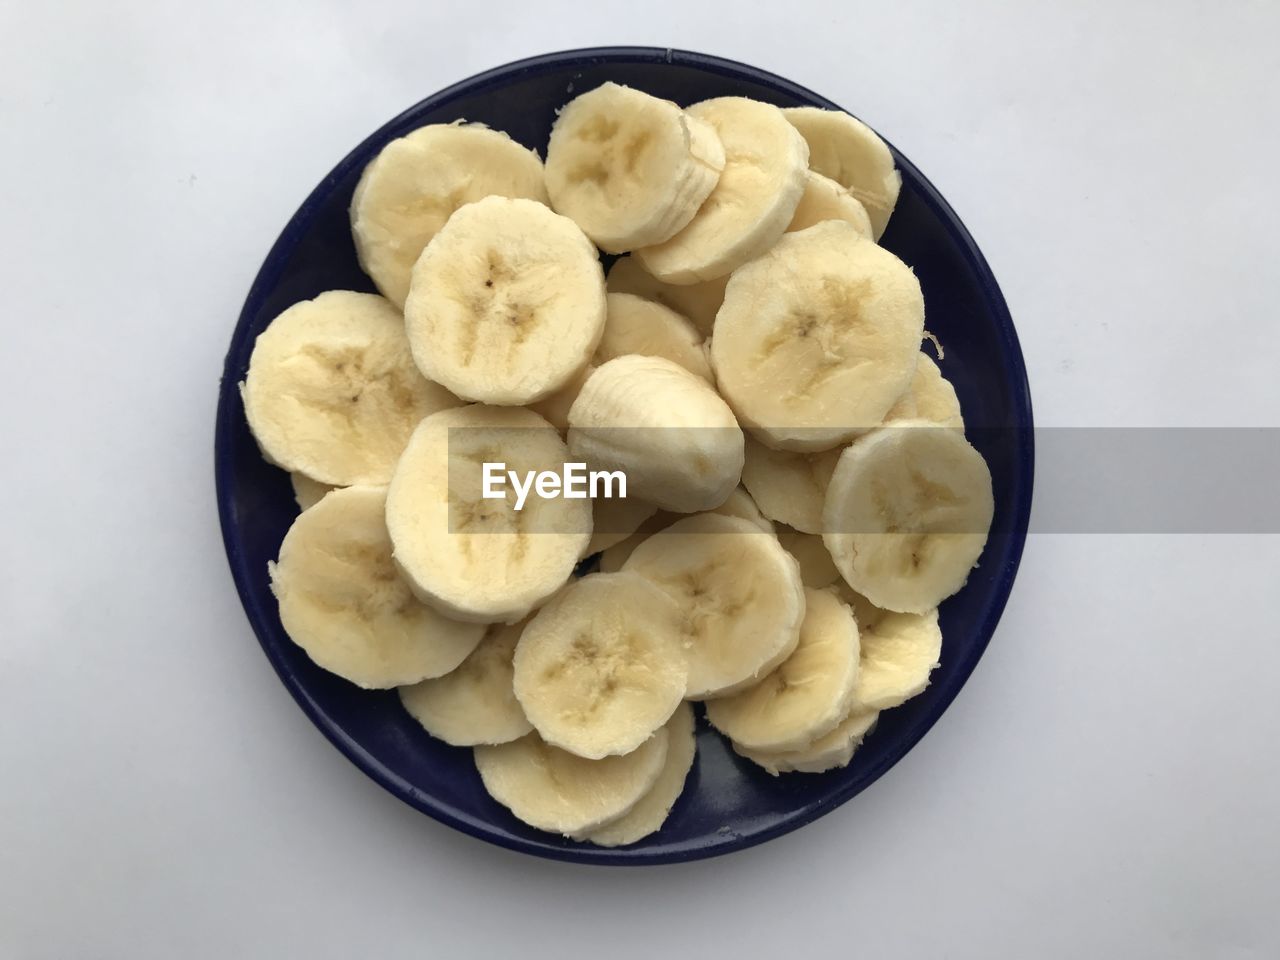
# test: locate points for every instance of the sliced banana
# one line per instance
(817, 338)
(899, 652)
(824, 199)
(753, 201)
(850, 153)
(739, 593)
(555, 407)
(806, 695)
(817, 569)
(630, 169)
(506, 302)
(476, 558)
(332, 391)
(666, 429)
(907, 514)
(742, 506)
(615, 519)
(307, 492)
(650, 812)
(613, 558)
(788, 487)
(343, 603)
(646, 327)
(414, 185)
(930, 397)
(829, 752)
(552, 789)
(696, 301)
(476, 703)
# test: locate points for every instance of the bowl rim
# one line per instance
(226, 423)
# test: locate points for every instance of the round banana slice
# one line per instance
(739, 593)
(614, 519)
(646, 327)
(829, 752)
(850, 153)
(600, 667)
(666, 429)
(817, 338)
(476, 703)
(650, 813)
(899, 652)
(555, 407)
(824, 199)
(332, 391)
(930, 397)
(742, 506)
(506, 302)
(696, 301)
(788, 487)
(630, 169)
(552, 789)
(343, 603)
(817, 569)
(473, 557)
(307, 492)
(416, 183)
(907, 514)
(753, 201)
(808, 694)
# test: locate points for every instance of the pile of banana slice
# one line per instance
(801, 495)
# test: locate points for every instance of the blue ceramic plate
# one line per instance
(728, 803)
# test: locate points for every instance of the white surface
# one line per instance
(1107, 783)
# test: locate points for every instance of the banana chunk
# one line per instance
(506, 302)
(824, 199)
(907, 514)
(476, 703)
(635, 325)
(307, 492)
(829, 752)
(742, 506)
(696, 301)
(899, 652)
(600, 667)
(739, 593)
(476, 558)
(851, 153)
(817, 569)
(552, 789)
(753, 201)
(808, 694)
(788, 487)
(630, 169)
(651, 812)
(332, 391)
(666, 429)
(412, 187)
(817, 338)
(343, 603)
(930, 397)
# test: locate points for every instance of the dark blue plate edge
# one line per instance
(229, 410)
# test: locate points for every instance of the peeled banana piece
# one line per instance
(831, 751)
(614, 519)
(696, 301)
(788, 487)
(645, 327)
(307, 492)
(630, 169)
(742, 506)
(817, 569)
(408, 192)
(899, 652)
(824, 199)
(342, 601)
(930, 397)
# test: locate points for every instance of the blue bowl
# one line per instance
(728, 803)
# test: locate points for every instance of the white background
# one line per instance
(1107, 783)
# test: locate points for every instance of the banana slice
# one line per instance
(816, 566)
(930, 397)
(650, 813)
(630, 169)
(907, 514)
(788, 487)
(552, 789)
(555, 407)
(829, 752)
(307, 492)
(600, 667)
(506, 302)
(824, 199)
(635, 325)
(475, 558)
(614, 519)
(808, 694)
(739, 592)
(343, 603)
(742, 506)
(666, 429)
(817, 338)
(899, 651)
(696, 301)
(753, 201)
(332, 391)
(475, 703)
(850, 153)
(613, 557)
(416, 183)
